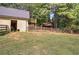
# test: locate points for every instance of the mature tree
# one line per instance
(68, 16)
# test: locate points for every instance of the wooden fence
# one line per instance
(4, 29)
(38, 28)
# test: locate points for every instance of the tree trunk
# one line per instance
(71, 31)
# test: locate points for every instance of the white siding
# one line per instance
(5, 22)
(22, 25)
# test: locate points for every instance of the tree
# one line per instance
(68, 15)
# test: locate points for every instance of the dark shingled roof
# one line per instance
(14, 12)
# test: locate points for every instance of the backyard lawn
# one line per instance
(39, 43)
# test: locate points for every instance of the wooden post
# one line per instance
(35, 24)
(41, 27)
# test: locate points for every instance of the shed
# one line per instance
(15, 19)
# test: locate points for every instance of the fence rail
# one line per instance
(4, 29)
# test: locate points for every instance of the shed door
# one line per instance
(21, 25)
(13, 25)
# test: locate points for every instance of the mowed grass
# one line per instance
(39, 43)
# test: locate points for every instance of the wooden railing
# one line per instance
(4, 29)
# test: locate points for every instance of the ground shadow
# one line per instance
(2, 33)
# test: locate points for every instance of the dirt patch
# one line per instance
(15, 36)
(41, 33)
(36, 33)
(36, 47)
(19, 36)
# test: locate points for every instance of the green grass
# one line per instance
(39, 43)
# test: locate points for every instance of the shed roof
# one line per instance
(14, 12)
